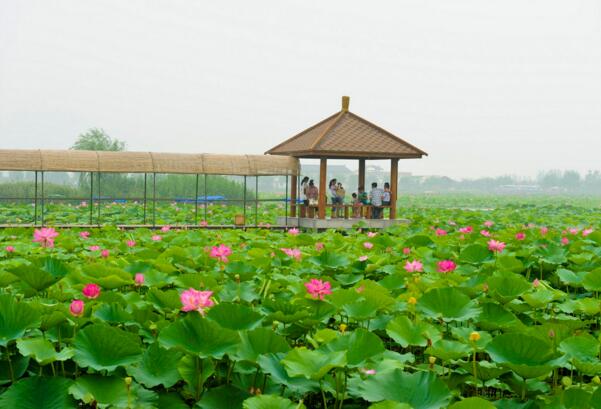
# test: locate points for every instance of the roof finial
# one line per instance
(345, 103)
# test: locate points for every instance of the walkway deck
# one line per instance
(340, 223)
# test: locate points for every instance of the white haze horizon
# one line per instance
(486, 88)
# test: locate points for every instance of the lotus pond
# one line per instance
(462, 308)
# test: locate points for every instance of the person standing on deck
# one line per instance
(376, 200)
(303, 188)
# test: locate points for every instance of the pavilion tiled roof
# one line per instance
(346, 135)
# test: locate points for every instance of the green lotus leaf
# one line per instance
(592, 280)
(472, 403)
(588, 367)
(421, 390)
(583, 347)
(495, 316)
(539, 298)
(195, 371)
(388, 404)
(448, 350)
(271, 402)
(449, 304)
(15, 369)
(112, 313)
(42, 350)
(15, 319)
(167, 300)
(508, 286)
(38, 392)
(474, 254)
(171, 400)
(112, 391)
(406, 333)
(235, 316)
(223, 397)
(105, 276)
(570, 278)
(360, 345)
(528, 356)
(271, 364)
(330, 260)
(198, 335)
(510, 263)
(157, 367)
(35, 277)
(102, 347)
(260, 341)
(312, 364)
(418, 241)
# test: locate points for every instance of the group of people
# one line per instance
(376, 199)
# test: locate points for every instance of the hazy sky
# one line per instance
(485, 87)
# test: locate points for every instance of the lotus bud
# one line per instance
(152, 327)
(551, 333)
(432, 360)
(485, 287)
(474, 336)
(128, 380)
(342, 328)
(412, 301)
(597, 380)
(566, 381)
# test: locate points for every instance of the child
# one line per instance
(340, 194)
(356, 206)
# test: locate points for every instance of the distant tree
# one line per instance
(97, 140)
(571, 179)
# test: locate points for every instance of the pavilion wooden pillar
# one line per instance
(323, 167)
(361, 174)
(293, 194)
(394, 180)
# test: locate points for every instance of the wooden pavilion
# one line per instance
(345, 135)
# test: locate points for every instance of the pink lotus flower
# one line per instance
(293, 253)
(565, 241)
(166, 228)
(293, 231)
(586, 232)
(194, 300)
(535, 283)
(446, 266)
(84, 234)
(105, 253)
(131, 243)
(203, 223)
(371, 234)
(496, 246)
(488, 223)
(157, 237)
(94, 248)
(76, 308)
(406, 250)
(139, 279)
(573, 230)
(362, 258)
(368, 245)
(83, 204)
(485, 233)
(466, 230)
(9, 249)
(544, 230)
(441, 232)
(91, 291)
(520, 236)
(221, 252)
(319, 246)
(368, 371)
(45, 236)
(318, 289)
(414, 266)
